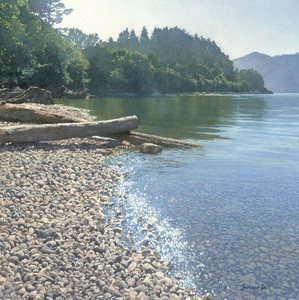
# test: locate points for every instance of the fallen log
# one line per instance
(47, 132)
(138, 138)
(33, 95)
(21, 113)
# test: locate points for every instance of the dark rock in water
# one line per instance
(150, 148)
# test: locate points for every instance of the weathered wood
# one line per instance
(19, 113)
(4, 91)
(138, 138)
(7, 95)
(66, 93)
(34, 133)
(33, 95)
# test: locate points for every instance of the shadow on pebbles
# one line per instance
(56, 241)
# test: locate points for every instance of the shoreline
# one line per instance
(56, 241)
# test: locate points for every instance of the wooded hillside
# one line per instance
(33, 53)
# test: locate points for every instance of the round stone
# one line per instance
(150, 148)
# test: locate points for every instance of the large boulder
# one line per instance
(150, 148)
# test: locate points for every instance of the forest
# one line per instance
(34, 51)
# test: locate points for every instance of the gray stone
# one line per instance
(23, 246)
(122, 285)
(150, 148)
(47, 233)
(140, 288)
(149, 268)
(117, 259)
(30, 288)
(131, 282)
(14, 259)
(47, 250)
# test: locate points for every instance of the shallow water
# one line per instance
(225, 214)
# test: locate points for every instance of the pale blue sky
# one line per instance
(239, 27)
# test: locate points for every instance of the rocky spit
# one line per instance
(56, 241)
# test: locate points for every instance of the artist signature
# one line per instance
(255, 287)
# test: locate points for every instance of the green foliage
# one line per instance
(119, 71)
(12, 33)
(33, 53)
(100, 69)
(170, 61)
(251, 80)
(80, 39)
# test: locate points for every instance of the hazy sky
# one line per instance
(239, 27)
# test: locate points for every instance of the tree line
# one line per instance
(169, 60)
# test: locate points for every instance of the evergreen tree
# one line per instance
(133, 37)
(144, 41)
(144, 35)
(123, 36)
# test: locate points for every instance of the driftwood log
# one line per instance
(65, 92)
(20, 113)
(138, 138)
(33, 95)
(46, 132)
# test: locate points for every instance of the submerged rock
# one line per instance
(150, 148)
(208, 296)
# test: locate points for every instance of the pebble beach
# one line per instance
(56, 242)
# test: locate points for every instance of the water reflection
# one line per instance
(196, 117)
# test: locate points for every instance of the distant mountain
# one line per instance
(280, 73)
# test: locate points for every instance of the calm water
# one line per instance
(226, 215)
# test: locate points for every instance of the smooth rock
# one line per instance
(150, 148)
